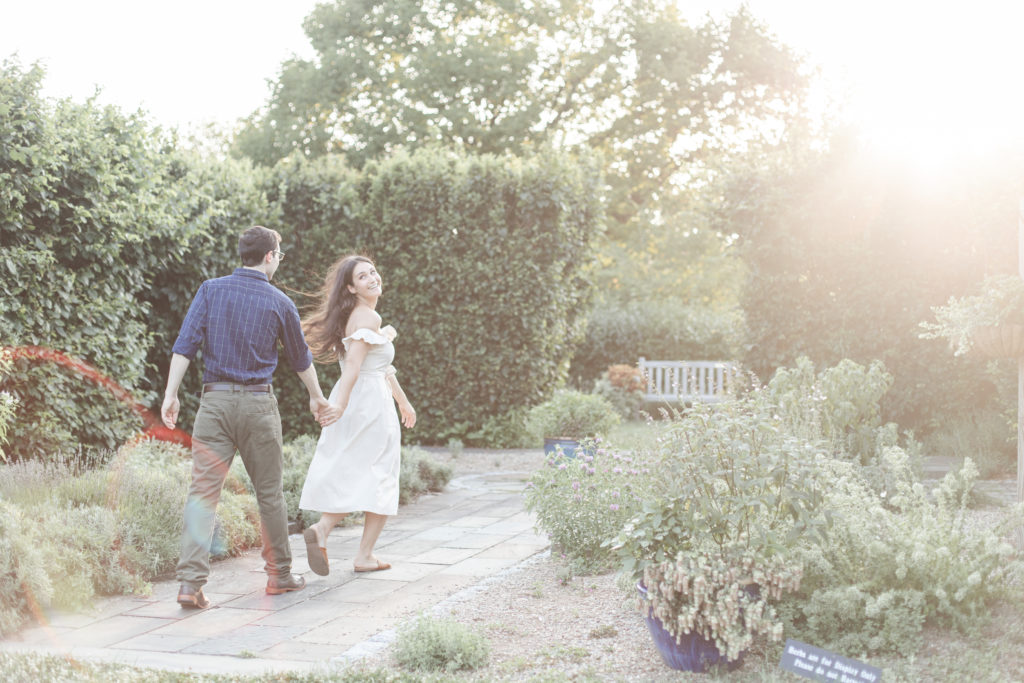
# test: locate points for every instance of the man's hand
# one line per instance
(169, 411)
(317, 405)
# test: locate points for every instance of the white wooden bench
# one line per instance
(686, 381)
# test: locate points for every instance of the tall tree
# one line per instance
(633, 80)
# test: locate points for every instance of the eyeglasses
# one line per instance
(279, 255)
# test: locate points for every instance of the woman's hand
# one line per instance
(408, 414)
(330, 414)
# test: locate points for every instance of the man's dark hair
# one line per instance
(254, 243)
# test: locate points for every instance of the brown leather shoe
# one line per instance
(284, 584)
(192, 598)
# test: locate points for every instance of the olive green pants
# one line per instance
(249, 423)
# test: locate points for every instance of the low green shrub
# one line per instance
(584, 501)
(84, 555)
(434, 644)
(504, 430)
(893, 563)
(25, 585)
(420, 473)
(571, 415)
(715, 540)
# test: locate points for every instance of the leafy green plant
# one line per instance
(438, 644)
(1001, 300)
(714, 545)
(893, 564)
(582, 502)
(572, 415)
(839, 404)
(504, 430)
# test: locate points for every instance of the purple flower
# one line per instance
(613, 507)
(561, 466)
(615, 494)
(617, 470)
(575, 486)
(591, 470)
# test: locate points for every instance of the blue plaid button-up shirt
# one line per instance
(237, 320)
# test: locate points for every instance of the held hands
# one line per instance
(323, 411)
(330, 414)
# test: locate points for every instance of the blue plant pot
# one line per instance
(692, 653)
(569, 446)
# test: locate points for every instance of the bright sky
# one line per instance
(921, 76)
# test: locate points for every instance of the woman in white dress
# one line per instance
(356, 464)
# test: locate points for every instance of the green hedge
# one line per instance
(621, 332)
(485, 263)
(109, 227)
(82, 199)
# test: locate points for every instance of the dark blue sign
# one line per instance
(822, 665)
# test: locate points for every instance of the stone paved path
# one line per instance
(440, 546)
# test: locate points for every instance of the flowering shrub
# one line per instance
(714, 544)
(623, 386)
(584, 501)
(723, 596)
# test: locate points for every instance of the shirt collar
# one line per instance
(249, 272)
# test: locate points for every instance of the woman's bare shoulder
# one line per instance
(363, 317)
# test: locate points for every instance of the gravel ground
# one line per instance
(544, 624)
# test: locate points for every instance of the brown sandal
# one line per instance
(316, 554)
(381, 566)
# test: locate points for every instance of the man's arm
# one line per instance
(169, 411)
(317, 402)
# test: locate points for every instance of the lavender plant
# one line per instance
(584, 501)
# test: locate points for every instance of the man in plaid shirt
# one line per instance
(237, 321)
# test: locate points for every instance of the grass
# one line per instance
(633, 435)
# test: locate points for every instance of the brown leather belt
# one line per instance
(228, 386)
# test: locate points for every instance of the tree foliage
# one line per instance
(847, 253)
(632, 80)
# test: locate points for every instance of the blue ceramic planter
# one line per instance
(568, 446)
(692, 653)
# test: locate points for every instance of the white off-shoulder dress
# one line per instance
(356, 464)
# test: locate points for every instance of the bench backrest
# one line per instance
(686, 381)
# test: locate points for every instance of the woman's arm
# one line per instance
(357, 351)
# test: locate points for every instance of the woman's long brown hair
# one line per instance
(325, 327)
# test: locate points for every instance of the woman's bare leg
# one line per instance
(373, 524)
(328, 520)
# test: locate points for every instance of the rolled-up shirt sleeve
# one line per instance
(190, 337)
(295, 348)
